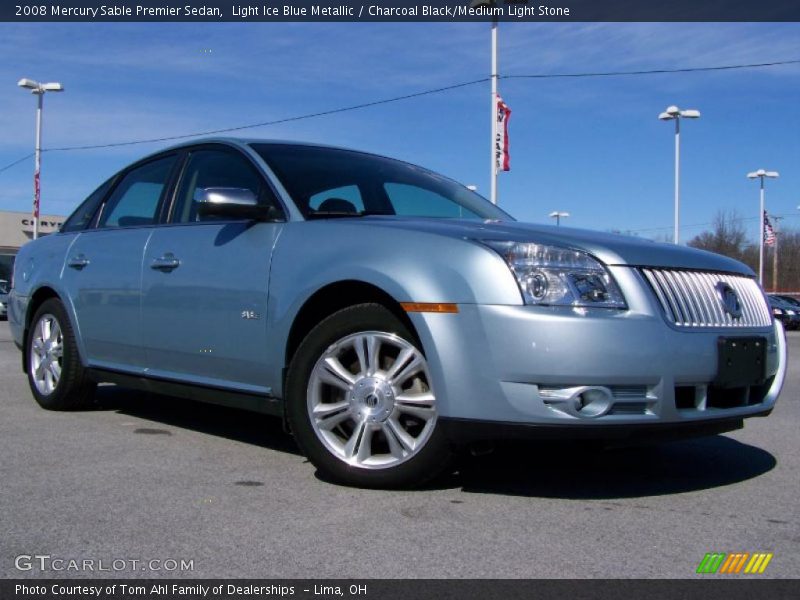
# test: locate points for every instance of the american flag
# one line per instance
(769, 232)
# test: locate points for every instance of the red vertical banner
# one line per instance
(36, 195)
(502, 159)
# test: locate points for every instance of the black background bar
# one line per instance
(397, 10)
(710, 587)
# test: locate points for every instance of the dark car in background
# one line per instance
(785, 311)
(789, 299)
(3, 298)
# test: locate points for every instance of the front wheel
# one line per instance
(361, 402)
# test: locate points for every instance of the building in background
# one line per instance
(16, 228)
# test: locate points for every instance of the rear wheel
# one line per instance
(57, 379)
(361, 402)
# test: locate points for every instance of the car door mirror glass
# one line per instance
(225, 196)
(232, 203)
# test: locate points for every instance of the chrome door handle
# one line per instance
(78, 262)
(168, 262)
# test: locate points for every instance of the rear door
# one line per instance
(205, 281)
(102, 272)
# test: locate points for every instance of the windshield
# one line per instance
(328, 182)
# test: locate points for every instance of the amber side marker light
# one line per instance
(435, 307)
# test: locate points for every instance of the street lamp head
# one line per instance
(673, 112)
(763, 173)
(28, 84)
(53, 87)
(557, 213)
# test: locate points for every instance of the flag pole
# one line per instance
(492, 146)
(761, 238)
(776, 232)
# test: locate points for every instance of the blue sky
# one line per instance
(591, 146)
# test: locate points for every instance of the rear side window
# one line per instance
(134, 201)
(82, 217)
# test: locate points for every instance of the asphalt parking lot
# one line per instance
(146, 478)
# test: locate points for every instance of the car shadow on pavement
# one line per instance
(591, 472)
(547, 470)
(239, 425)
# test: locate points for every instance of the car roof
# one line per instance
(244, 142)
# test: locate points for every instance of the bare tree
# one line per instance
(788, 262)
(728, 237)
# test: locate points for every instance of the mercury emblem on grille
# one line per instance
(730, 300)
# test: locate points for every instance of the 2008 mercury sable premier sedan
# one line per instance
(387, 313)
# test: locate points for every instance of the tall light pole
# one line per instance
(762, 175)
(39, 90)
(673, 113)
(490, 4)
(558, 215)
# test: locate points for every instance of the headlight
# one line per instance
(777, 311)
(554, 276)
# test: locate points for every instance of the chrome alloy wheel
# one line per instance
(46, 354)
(370, 400)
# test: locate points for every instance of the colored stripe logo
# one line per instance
(734, 563)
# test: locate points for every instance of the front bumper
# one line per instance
(464, 431)
(515, 371)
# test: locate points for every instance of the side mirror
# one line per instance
(234, 203)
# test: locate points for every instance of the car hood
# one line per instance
(610, 248)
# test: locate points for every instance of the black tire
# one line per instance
(427, 462)
(73, 390)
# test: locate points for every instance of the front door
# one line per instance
(205, 283)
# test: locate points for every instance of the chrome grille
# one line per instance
(690, 298)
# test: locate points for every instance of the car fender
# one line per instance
(408, 266)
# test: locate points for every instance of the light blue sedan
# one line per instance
(388, 314)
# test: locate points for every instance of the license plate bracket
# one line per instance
(742, 361)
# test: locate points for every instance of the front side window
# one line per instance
(213, 169)
(326, 182)
(134, 202)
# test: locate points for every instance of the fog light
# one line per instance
(593, 401)
(585, 401)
